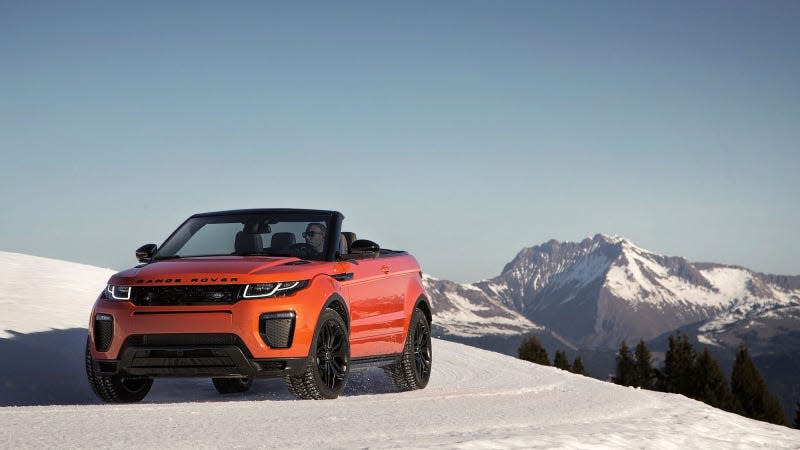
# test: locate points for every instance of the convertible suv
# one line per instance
(235, 295)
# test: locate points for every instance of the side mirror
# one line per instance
(145, 253)
(364, 246)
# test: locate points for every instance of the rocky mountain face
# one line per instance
(599, 291)
(588, 296)
(464, 310)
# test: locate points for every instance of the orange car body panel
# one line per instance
(380, 298)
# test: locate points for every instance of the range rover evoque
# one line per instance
(235, 295)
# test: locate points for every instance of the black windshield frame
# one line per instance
(331, 219)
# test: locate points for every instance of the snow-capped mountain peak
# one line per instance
(607, 288)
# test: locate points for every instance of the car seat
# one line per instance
(248, 243)
(281, 242)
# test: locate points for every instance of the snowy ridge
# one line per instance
(465, 310)
(638, 276)
(752, 300)
(57, 294)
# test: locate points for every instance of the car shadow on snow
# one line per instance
(47, 368)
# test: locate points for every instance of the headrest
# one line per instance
(350, 236)
(282, 240)
(248, 243)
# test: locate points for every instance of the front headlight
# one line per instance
(118, 292)
(262, 290)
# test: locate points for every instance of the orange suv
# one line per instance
(235, 295)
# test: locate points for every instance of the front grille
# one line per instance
(186, 340)
(270, 365)
(103, 334)
(200, 358)
(217, 294)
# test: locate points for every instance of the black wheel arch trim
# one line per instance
(336, 302)
(425, 306)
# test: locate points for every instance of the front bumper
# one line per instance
(265, 337)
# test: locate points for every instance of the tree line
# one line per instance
(685, 372)
(532, 350)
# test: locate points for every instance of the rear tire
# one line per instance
(414, 368)
(328, 364)
(232, 385)
(115, 388)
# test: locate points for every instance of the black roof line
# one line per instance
(268, 211)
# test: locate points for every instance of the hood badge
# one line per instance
(193, 280)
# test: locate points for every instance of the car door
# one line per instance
(376, 306)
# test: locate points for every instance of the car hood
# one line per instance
(216, 270)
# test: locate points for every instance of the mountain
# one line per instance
(475, 398)
(588, 296)
(467, 311)
(601, 290)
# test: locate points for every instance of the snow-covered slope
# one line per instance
(39, 294)
(475, 399)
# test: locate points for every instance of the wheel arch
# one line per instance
(424, 305)
(337, 303)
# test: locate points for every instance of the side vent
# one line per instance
(277, 329)
(103, 332)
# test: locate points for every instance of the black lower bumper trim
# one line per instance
(196, 361)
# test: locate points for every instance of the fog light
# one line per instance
(104, 317)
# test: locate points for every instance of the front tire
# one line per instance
(328, 364)
(115, 388)
(414, 368)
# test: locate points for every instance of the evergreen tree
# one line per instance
(749, 388)
(679, 366)
(797, 416)
(710, 384)
(644, 374)
(626, 368)
(531, 350)
(773, 411)
(560, 360)
(577, 367)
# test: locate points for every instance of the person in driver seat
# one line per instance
(315, 238)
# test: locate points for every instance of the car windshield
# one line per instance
(299, 235)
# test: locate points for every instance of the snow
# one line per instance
(732, 283)
(461, 316)
(39, 294)
(586, 270)
(475, 399)
(628, 281)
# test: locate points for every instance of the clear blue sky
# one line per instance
(461, 131)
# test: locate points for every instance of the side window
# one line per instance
(212, 239)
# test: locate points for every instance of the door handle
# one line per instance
(343, 276)
(385, 269)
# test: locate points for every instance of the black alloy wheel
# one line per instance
(332, 355)
(422, 350)
(328, 364)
